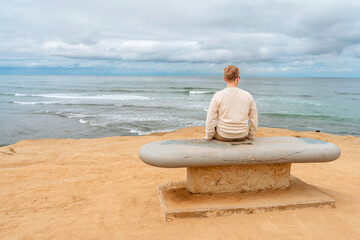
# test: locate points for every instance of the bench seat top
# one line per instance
(261, 150)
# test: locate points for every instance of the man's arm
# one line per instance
(211, 119)
(253, 117)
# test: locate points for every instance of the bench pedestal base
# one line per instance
(238, 178)
(177, 202)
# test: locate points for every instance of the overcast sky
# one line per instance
(192, 37)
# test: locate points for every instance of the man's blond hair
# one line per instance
(231, 72)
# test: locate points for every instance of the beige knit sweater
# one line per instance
(231, 110)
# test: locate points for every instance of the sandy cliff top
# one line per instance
(99, 189)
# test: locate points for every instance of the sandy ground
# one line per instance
(99, 189)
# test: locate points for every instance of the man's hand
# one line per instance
(206, 139)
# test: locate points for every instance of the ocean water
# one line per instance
(36, 107)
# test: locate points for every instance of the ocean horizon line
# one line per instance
(180, 75)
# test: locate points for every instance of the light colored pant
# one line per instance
(220, 138)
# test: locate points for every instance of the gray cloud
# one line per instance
(262, 36)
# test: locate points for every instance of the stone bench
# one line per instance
(250, 165)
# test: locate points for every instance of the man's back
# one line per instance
(233, 108)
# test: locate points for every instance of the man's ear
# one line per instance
(225, 80)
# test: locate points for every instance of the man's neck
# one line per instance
(229, 85)
(232, 84)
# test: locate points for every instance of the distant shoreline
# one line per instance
(176, 130)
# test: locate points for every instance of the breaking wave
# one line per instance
(95, 97)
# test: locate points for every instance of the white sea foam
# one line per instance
(116, 118)
(200, 92)
(68, 113)
(98, 124)
(76, 115)
(83, 121)
(95, 97)
(36, 103)
(140, 133)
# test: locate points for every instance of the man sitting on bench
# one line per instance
(231, 110)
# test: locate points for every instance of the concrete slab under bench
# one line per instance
(177, 202)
